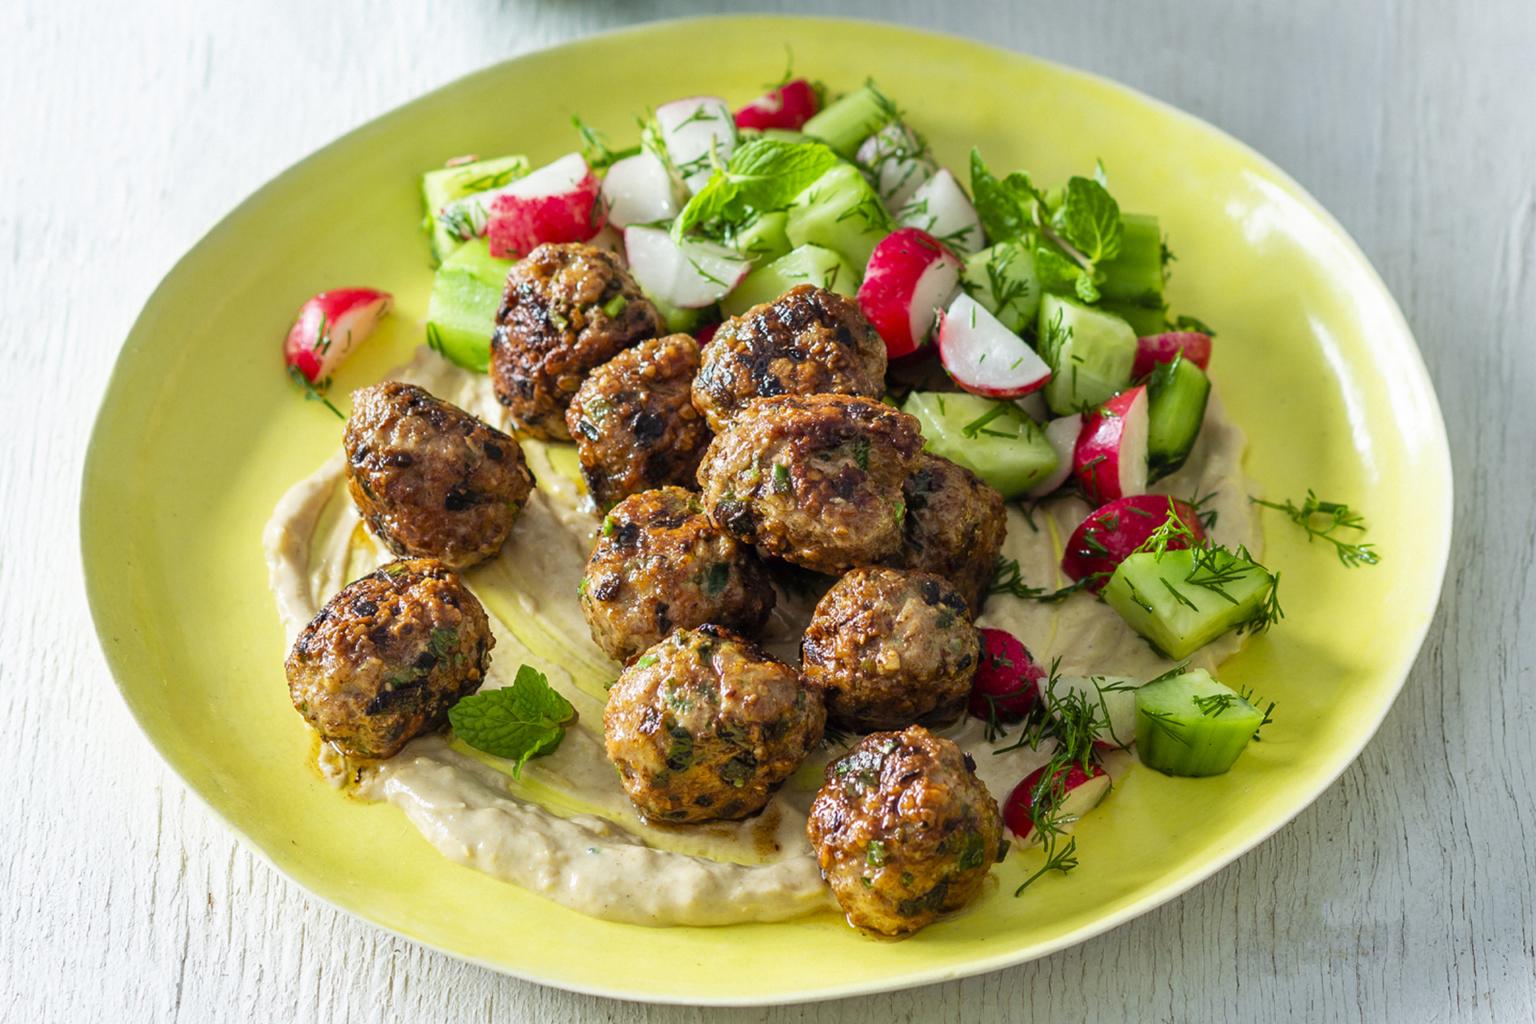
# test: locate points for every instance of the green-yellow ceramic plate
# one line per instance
(200, 432)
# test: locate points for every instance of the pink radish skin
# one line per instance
(1110, 460)
(329, 326)
(1007, 678)
(1081, 792)
(787, 107)
(690, 274)
(1152, 349)
(983, 356)
(909, 278)
(1109, 534)
(556, 203)
(1062, 434)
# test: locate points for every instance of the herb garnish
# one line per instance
(314, 392)
(1335, 517)
(517, 722)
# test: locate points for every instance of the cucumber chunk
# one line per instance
(1176, 397)
(1144, 320)
(683, 321)
(763, 240)
(461, 313)
(1182, 600)
(995, 440)
(1190, 724)
(444, 185)
(852, 119)
(839, 211)
(1090, 354)
(1002, 279)
(1135, 275)
(807, 264)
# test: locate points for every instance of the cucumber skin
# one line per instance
(839, 211)
(1190, 743)
(843, 125)
(1029, 456)
(1176, 630)
(764, 240)
(1135, 276)
(807, 264)
(1090, 354)
(443, 185)
(1177, 394)
(461, 313)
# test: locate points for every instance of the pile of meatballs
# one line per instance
(766, 455)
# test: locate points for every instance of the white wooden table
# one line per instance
(127, 128)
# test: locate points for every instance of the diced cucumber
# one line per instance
(462, 311)
(1176, 397)
(1090, 354)
(683, 321)
(446, 184)
(1190, 724)
(1182, 600)
(850, 120)
(1135, 275)
(1144, 320)
(807, 264)
(839, 211)
(782, 135)
(1002, 279)
(763, 240)
(993, 439)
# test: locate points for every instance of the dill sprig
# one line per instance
(1008, 579)
(1328, 520)
(314, 392)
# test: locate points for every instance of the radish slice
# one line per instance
(1111, 533)
(556, 203)
(1111, 698)
(639, 190)
(985, 357)
(1062, 434)
(1007, 678)
(910, 278)
(788, 107)
(329, 326)
(1152, 349)
(689, 275)
(1073, 791)
(1110, 460)
(939, 206)
(692, 129)
(898, 161)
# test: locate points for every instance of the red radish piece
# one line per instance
(1112, 699)
(1152, 349)
(706, 334)
(898, 161)
(690, 274)
(787, 107)
(556, 203)
(985, 357)
(329, 326)
(639, 190)
(910, 277)
(1110, 533)
(1007, 678)
(1070, 794)
(1110, 460)
(692, 129)
(1062, 434)
(939, 206)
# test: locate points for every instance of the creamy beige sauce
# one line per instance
(565, 829)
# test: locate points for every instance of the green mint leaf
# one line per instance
(762, 175)
(1005, 205)
(1089, 218)
(517, 722)
(1087, 290)
(1057, 273)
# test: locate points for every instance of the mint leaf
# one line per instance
(1056, 272)
(1190, 323)
(517, 722)
(1089, 218)
(762, 175)
(1004, 205)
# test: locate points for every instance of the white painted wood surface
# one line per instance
(127, 128)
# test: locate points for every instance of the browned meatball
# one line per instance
(428, 478)
(904, 830)
(813, 479)
(808, 341)
(891, 647)
(955, 527)
(659, 563)
(706, 724)
(387, 657)
(634, 424)
(566, 309)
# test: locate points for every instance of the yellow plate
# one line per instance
(201, 431)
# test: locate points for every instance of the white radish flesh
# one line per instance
(639, 190)
(898, 161)
(690, 275)
(983, 356)
(940, 207)
(1062, 434)
(910, 278)
(692, 129)
(1110, 459)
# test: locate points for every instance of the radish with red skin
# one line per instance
(691, 274)
(697, 131)
(1069, 795)
(1152, 349)
(910, 277)
(1007, 678)
(1062, 434)
(985, 357)
(639, 190)
(329, 326)
(1110, 459)
(788, 107)
(556, 203)
(1110, 533)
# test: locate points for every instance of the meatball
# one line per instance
(706, 725)
(808, 341)
(904, 830)
(634, 424)
(813, 479)
(659, 563)
(386, 658)
(566, 309)
(891, 647)
(428, 478)
(955, 527)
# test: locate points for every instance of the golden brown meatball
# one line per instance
(428, 478)
(634, 424)
(659, 563)
(891, 647)
(706, 725)
(808, 341)
(386, 658)
(566, 309)
(955, 527)
(904, 830)
(813, 479)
